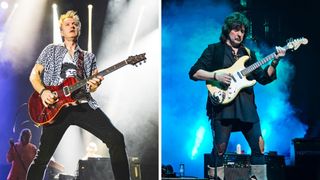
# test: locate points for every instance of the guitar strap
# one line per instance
(248, 51)
(80, 65)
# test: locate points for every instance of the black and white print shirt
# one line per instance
(52, 59)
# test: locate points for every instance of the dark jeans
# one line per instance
(221, 130)
(94, 121)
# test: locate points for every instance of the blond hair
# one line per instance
(70, 14)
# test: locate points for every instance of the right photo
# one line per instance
(235, 102)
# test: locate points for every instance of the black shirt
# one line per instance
(243, 107)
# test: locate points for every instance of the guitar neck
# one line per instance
(256, 65)
(104, 72)
(111, 69)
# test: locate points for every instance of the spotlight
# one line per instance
(54, 6)
(4, 5)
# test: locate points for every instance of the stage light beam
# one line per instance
(90, 28)
(136, 30)
(199, 138)
(25, 19)
(56, 29)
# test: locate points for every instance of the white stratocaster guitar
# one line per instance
(226, 93)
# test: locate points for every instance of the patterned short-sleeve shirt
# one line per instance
(51, 58)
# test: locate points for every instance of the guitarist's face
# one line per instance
(70, 28)
(236, 36)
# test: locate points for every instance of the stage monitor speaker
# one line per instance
(237, 166)
(101, 169)
(95, 169)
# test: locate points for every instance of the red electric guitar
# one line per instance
(42, 115)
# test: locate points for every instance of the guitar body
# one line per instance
(42, 115)
(227, 93)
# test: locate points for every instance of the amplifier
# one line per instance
(307, 151)
(307, 157)
(95, 169)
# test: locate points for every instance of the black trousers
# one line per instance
(221, 130)
(94, 121)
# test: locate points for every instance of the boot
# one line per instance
(220, 172)
(258, 172)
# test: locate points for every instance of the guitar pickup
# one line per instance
(66, 91)
(233, 78)
(239, 74)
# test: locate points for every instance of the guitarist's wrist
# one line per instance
(214, 76)
(275, 63)
(91, 89)
(41, 92)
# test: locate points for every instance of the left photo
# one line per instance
(80, 89)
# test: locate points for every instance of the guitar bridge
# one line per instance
(66, 91)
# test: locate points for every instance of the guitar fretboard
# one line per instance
(255, 65)
(104, 72)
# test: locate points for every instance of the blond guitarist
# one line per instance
(240, 114)
(56, 63)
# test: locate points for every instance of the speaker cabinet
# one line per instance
(307, 157)
(307, 151)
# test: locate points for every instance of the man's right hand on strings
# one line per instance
(48, 98)
(223, 77)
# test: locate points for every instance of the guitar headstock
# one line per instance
(133, 60)
(295, 43)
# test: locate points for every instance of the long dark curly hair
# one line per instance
(234, 21)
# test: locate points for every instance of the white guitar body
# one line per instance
(227, 93)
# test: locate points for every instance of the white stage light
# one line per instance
(56, 30)
(4, 5)
(90, 28)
